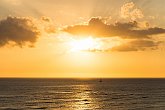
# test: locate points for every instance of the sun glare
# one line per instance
(84, 44)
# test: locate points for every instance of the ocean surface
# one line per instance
(82, 94)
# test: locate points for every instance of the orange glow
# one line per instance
(84, 38)
(84, 44)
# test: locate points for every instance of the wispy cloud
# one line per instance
(137, 45)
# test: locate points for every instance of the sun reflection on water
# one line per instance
(83, 97)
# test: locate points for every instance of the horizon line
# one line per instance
(82, 77)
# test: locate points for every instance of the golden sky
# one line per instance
(82, 38)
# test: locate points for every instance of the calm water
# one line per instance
(72, 94)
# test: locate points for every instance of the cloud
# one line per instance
(129, 10)
(137, 45)
(133, 45)
(46, 19)
(48, 25)
(128, 30)
(21, 31)
(18, 30)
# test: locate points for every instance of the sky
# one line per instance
(82, 38)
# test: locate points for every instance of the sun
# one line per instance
(84, 44)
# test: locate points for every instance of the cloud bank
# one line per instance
(140, 38)
(129, 30)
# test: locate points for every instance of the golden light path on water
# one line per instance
(81, 98)
(84, 97)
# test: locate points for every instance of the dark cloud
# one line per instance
(129, 30)
(18, 30)
(137, 45)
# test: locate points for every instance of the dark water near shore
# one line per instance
(76, 94)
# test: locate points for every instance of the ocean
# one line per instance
(82, 94)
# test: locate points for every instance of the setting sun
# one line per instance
(83, 44)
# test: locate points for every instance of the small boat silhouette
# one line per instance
(100, 80)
